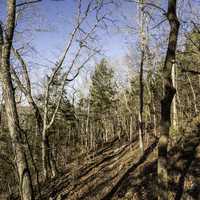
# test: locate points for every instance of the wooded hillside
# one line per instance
(99, 99)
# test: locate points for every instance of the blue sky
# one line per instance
(60, 15)
(51, 22)
(47, 25)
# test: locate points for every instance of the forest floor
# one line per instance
(100, 174)
(117, 172)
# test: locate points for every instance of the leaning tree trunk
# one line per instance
(169, 92)
(26, 190)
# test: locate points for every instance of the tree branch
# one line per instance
(25, 69)
(150, 4)
(18, 81)
(194, 72)
(28, 2)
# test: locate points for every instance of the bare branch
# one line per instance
(183, 69)
(65, 79)
(27, 88)
(28, 3)
(82, 65)
(157, 25)
(194, 72)
(24, 67)
(152, 5)
(17, 80)
(196, 26)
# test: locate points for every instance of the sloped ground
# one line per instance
(184, 171)
(140, 183)
(117, 172)
(99, 177)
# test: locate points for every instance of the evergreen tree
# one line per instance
(102, 90)
(102, 94)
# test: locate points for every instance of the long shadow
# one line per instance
(147, 177)
(131, 169)
(180, 188)
(194, 173)
(187, 156)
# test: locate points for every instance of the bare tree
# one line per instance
(46, 120)
(6, 39)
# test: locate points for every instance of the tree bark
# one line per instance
(174, 114)
(141, 96)
(48, 162)
(169, 92)
(193, 94)
(26, 190)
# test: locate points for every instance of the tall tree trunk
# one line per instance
(87, 126)
(142, 44)
(48, 162)
(152, 107)
(26, 190)
(174, 113)
(169, 92)
(193, 94)
(131, 128)
(44, 154)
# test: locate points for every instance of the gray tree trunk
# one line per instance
(169, 92)
(141, 98)
(26, 190)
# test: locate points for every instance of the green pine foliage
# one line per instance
(102, 90)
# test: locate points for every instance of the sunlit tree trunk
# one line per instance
(174, 107)
(131, 128)
(87, 128)
(193, 94)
